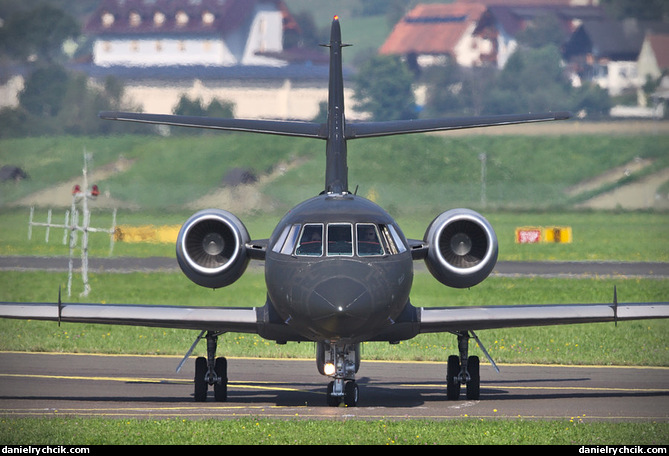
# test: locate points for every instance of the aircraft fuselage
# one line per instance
(338, 269)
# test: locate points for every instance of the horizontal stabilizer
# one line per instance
(398, 127)
(272, 127)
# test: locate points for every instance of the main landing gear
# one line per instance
(211, 371)
(464, 369)
(341, 362)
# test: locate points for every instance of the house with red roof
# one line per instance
(431, 34)
(477, 32)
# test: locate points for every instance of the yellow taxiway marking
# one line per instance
(108, 379)
(379, 361)
(274, 386)
(558, 388)
(235, 383)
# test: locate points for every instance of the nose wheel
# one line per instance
(348, 394)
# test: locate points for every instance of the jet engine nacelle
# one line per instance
(462, 248)
(211, 248)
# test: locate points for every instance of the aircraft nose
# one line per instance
(340, 304)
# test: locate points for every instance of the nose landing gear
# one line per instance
(342, 363)
(340, 390)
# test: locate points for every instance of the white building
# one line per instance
(230, 50)
(188, 32)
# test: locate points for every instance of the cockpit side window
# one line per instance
(368, 240)
(393, 239)
(398, 239)
(388, 238)
(286, 241)
(311, 241)
(340, 239)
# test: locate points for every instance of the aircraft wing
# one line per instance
(454, 319)
(224, 319)
(275, 127)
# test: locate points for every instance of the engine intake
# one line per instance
(462, 248)
(211, 248)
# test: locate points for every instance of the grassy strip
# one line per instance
(596, 236)
(254, 431)
(571, 344)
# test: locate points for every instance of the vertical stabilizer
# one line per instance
(336, 172)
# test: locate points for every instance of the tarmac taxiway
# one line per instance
(56, 384)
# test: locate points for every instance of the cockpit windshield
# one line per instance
(369, 243)
(339, 239)
(311, 241)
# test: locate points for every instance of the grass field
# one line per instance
(408, 175)
(574, 344)
(259, 431)
(597, 236)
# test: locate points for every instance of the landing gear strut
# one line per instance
(463, 370)
(211, 371)
(342, 363)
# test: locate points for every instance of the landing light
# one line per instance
(329, 369)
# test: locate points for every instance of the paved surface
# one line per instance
(145, 386)
(503, 268)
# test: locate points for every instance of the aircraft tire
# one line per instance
(474, 383)
(333, 401)
(351, 394)
(452, 383)
(199, 380)
(221, 386)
